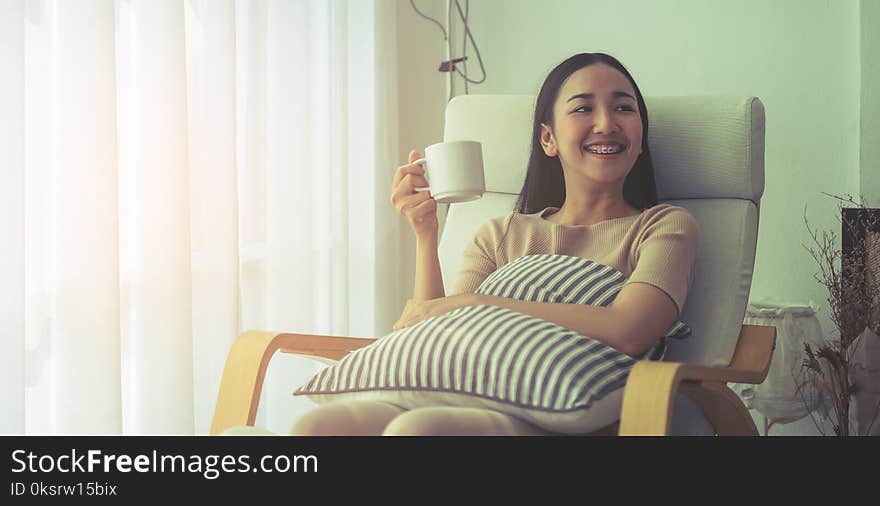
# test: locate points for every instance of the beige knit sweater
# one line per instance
(658, 246)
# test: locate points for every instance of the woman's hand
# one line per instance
(419, 208)
(418, 310)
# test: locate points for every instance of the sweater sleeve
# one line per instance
(666, 255)
(480, 257)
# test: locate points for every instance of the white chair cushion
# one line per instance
(707, 147)
(716, 304)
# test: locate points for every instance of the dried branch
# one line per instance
(854, 303)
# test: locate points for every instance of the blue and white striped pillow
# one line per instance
(496, 358)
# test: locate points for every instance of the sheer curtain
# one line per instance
(173, 173)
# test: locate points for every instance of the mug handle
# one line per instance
(423, 161)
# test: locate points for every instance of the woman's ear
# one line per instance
(547, 141)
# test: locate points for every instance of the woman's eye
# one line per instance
(590, 109)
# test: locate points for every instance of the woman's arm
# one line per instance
(642, 311)
(429, 279)
(477, 263)
(640, 314)
(429, 294)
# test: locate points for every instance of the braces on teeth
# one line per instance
(605, 150)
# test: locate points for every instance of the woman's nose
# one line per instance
(605, 122)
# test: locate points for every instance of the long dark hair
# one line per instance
(545, 182)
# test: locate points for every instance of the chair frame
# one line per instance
(647, 399)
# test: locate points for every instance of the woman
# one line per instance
(589, 192)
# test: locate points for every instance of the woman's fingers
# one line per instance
(416, 206)
(406, 204)
(413, 156)
(405, 170)
(407, 187)
(424, 209)
(413, 181)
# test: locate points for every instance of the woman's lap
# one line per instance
(346, 418)
(381, 418)
(459, 421)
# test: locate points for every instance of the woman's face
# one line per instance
(605, 118)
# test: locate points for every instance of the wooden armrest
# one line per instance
(652, 386)
(246, 364)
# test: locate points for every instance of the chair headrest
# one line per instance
(701, 146)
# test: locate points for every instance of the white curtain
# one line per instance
(174, 173)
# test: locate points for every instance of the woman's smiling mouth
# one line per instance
(605, 150)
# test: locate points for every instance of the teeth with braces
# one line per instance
(605, 150)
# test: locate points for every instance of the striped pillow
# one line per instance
(496, 358)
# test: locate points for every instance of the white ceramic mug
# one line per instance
(454, 171)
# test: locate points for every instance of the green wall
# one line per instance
(870, 101)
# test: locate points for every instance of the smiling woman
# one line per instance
(601, 124)
(589, 100)
(587, 219)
